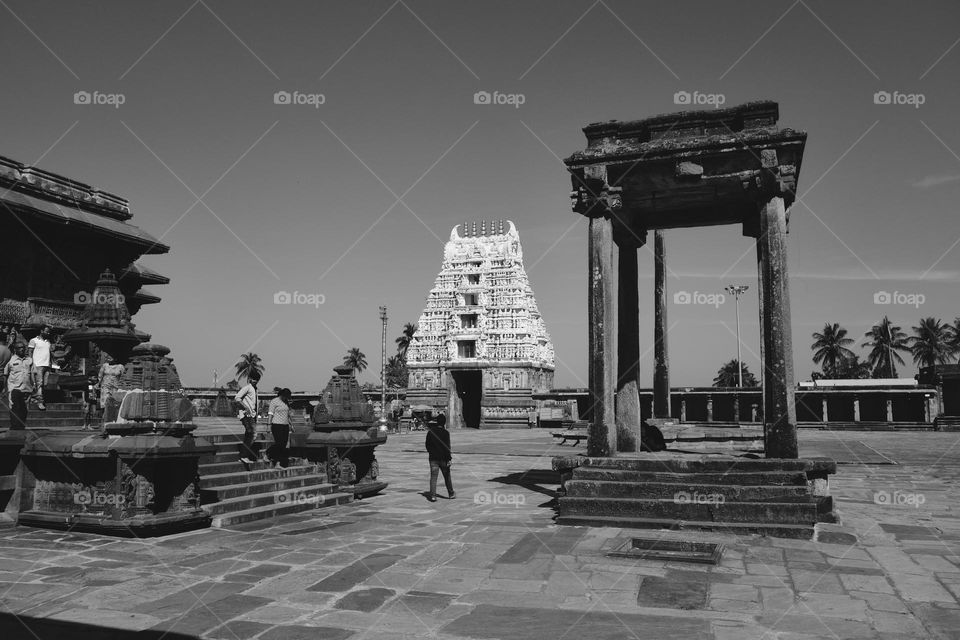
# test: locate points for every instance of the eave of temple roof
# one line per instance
(144, 274)
(15, 201)
(144, 296)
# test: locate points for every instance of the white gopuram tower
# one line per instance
(481, 347)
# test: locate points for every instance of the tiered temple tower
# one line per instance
(481, 347)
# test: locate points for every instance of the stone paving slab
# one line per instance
(491, 563)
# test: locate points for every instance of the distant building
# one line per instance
(481, 348)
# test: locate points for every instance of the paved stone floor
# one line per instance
(491, 564)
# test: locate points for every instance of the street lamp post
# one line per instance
(383, 366)
(736, 291)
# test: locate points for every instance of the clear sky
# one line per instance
(353, 198)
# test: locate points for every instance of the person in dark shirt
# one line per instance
(438, 450)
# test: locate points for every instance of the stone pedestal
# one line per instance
(137, 485)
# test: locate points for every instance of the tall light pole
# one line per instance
(383, 366)
(736, 291)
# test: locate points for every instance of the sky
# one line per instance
(348, 191)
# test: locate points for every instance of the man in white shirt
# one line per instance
(247, 399)
(39, 350)
(19, 374)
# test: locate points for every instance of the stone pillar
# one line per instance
(628, 347)
(736, 408)
(856, 408)
(602, 328)
(889, 409)
(779, 409)
(661, 370)
(683, 409)
(826, 413)
(927, 409)
(753, 412)
(709, 407)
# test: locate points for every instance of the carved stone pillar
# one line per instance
(856, 408)
(628, 346)
(889, 409)
(661, 370)
(602, 323)
(779, 409)
(709, 407)
(683, 409)
(826, 413)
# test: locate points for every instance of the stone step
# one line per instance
(36, 420)
(231, 466)
(312, 482)
(665, 490)
(670, 462)
(314, 493)
(771, 478)
(798, 531)
(793, 512)
(277, 509)
(211, 480)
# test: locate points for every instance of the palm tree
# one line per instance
(403, 342)
(885, 340)
(932, 343)
(727, 376)
(955, 335)
(830, 348)
(396, 372)
(249, 365)
(356, 359)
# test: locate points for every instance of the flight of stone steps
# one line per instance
(59, 415)
(715, 493)
(233, 492)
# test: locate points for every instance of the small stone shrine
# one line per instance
(344, 436)
(481, 348)
(138, 477)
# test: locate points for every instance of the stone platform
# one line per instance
(493, 564)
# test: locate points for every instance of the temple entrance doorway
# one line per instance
(468, 386)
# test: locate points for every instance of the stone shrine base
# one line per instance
(711, 492)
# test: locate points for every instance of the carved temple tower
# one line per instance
(481, 347)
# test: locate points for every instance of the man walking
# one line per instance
(39, 349)
(19, 374)
(438, 451)
(247, 398)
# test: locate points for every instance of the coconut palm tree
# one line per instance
(932, 343)
(396, 372)
(830, 348)
(249, 365)
(885, 340)
(727, 376)
(356, 359)
(955, 335)
(403, 342)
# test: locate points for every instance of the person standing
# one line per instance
(279, 413)
(247, 398)
(438, 451)
(19, 373)
(108, 382)
(39, 351)
(5, 355)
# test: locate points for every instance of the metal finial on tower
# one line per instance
(483, 227)
(474, 228)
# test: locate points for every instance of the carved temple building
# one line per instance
(60, 238)
(481, 348)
